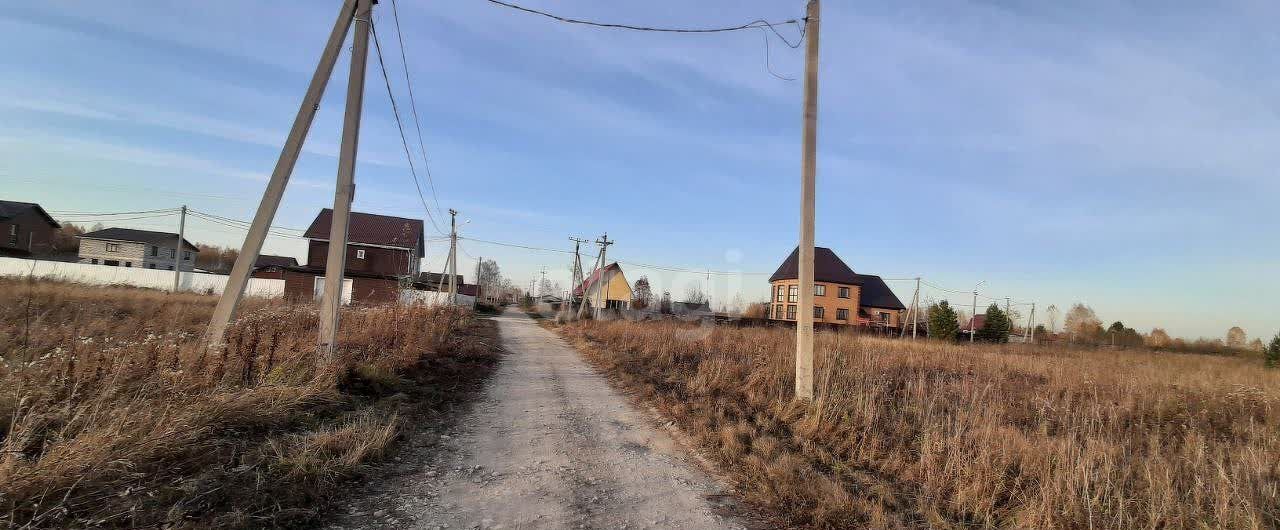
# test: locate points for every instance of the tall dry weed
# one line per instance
(931, 434)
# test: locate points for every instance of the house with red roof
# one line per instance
(607, 287)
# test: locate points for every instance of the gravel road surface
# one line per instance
(549, 445)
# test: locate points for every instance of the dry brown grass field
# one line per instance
(112, 415)
(929, 434)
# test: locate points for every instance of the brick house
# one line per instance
(841, 296)
(126, 247)
(383, 254)
(25, 229)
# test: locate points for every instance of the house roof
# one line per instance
(595, 276)
(875, 293)
(11, 209)
(827, 267)
(432, 279)
(372, 229)
(149, 237)
(268, 260)
(691, 307)
(979, 320)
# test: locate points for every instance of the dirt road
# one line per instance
(548, 445)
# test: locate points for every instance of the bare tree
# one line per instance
(1236, 337)
(693, 293)
(642, 293)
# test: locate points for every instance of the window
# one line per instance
(793, 293)
(360, 255)
(791, 312)
(94, 261)
(842, 314)
(782, 289)
(818, 311)
(151, 265)
(128, 264)
(13, 234)
(186, 255)
(155, 251)
(819, 289)
(884, 317)
(843, 292)
(777, 312)
(113, 247)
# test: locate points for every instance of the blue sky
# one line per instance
(1118, 155)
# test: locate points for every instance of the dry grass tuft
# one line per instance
(111, 414)
(927, 434)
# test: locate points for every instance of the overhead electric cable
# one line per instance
(413, 105)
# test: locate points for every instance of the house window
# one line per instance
(360, 254)
(13, 234)
(151, 265)
(782, 289)
(94, 261)
(113, 247)
(842, 314)
(791, 312)
(843, 292)
(155, 251)
(777, 311)
(793, 293)
(818, 311)
(819, 290)
(186, 255)
(128, 264)
(884, 317)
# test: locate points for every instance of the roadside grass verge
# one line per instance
(935, 435)
(112, 415)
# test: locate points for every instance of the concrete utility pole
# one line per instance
(177, 251)
(915, 324)
(336, 262)
(808, 175)
(582, 306)
(973, 317)
(911, 311)
(453, 256)
(604, 264)
(1031, 323)
(575, 274)
(266, 212)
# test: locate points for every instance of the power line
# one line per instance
(395, 110)
(413, 105)
(246, 223)
(107, 214)
(760, 23)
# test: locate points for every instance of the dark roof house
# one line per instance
(372, 229)
(829, 268)
(13, 209)
(268, 260)
(26, 229)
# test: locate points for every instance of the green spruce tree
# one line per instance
(996, 326)
(1273, 352)
(943, 323)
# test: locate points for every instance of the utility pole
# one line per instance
(453, 256)
(1031, 323)
(973, 317)
(600, 292)
(336, 261)
(911, 311)
(808, 175)
(915, 324)
(266, 212)
(542, 282)
(582, 307)
(575, 274)
(177, 251)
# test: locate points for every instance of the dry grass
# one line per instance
(111, 414)
(929, 434)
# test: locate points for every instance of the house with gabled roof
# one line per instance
(128, 247)
(841, 296)
(25, 229)
(383, 255)
(608, 284)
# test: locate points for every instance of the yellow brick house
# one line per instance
(841, 296)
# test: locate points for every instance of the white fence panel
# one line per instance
(151, 278)
(431, 298)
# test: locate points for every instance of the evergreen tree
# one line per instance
(1273, 352)
(943, 323)
(996, 327)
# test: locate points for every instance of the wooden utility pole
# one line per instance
(453, 256)
(266, 212)
(336, 262)
(808, 174)
(177, 251)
